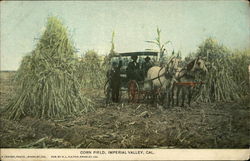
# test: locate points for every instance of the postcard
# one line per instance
(125, 80)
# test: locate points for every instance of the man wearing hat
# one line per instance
(146, 65)
(133, 69)
(115, 80)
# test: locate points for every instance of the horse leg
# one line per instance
(164, 100)
(160, 95)
(190, 93)
(177, 95)
(153, 96)
(169, 97)
(183, 96)
(172, 95)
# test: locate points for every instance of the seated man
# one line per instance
(146, 65)
(133, 69)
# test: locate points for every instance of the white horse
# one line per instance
(160, 80)
(185, 78)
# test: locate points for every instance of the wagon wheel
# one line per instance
(133, 91)
(107, 91)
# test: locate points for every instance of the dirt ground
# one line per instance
(125, 125)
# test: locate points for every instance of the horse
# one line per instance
(160, 80)
(185, 78)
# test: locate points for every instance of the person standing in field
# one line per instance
(115, 81)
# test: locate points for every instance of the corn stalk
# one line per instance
(161, 46)
(47, 86)
(221, 82)
(91, 71)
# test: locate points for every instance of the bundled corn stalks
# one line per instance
(47, 86)
(240, 62)
(220, 84)
(91, 71)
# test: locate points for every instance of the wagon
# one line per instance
(133, 88)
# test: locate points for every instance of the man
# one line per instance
(115, 81)
(146, 65)
(133, 69)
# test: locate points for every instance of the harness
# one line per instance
(187, 73)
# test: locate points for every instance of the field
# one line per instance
(125, 125)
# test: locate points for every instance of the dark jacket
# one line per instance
(133, 70)
(145, 68)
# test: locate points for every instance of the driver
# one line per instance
(146, 65)
(133, 69)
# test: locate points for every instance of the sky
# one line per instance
(91, 23)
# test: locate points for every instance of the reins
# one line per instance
(152, 78)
